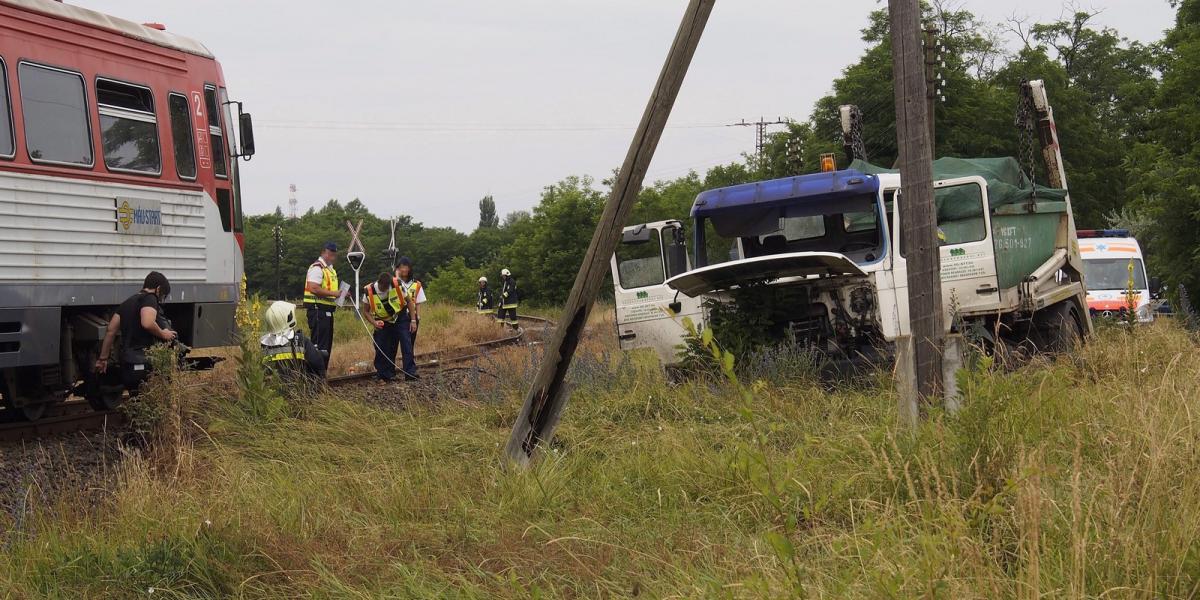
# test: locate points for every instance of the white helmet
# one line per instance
(506, 272)
(483, 280)
(280, 319)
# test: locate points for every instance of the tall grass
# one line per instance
(1077, 479)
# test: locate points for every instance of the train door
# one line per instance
(650, 314)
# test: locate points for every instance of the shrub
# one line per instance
(456, 282)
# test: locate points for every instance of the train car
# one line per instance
(118, 156)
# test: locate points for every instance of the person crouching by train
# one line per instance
(384, 304)
(483, 305)
(287, 352)
(321, 293)
(137, 320)
(415, 290)
(510, 299)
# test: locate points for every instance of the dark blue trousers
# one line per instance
(406, 346)
(387, 339)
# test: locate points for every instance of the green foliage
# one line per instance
(147, 412)
(428, 247)
(1100, 84)
(488, 219)
(456, 282)
(1166, 168)
(548, 249)
(1077, 479)
(258, 399)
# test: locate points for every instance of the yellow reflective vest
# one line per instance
(288, 352)
(329, 281)
(387, 308)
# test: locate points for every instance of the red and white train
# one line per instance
(118, 156)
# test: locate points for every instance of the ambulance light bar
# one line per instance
(1103, 233)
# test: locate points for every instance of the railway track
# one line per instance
(77, 415)
(67, 417)
(452, 359)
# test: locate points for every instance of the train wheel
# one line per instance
(29, 401)
(33, 412)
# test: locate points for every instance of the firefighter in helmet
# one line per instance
(286, 351)
(484, 303)
(510, 299)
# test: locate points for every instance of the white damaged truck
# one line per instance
(829, 247)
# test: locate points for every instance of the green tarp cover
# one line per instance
(1006, 184)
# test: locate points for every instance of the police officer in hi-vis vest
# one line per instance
(384, 302)
(320, 298)
(410, 319)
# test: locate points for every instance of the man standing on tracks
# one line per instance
(321, 294)
(483, 305)
(137, 319)
(510, 299)
(286, 351)
(383, 304)
(410, 319)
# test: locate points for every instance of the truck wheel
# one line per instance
(1060, 329)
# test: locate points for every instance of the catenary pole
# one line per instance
(548, 395)
(918, 219)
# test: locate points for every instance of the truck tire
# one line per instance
(1059, 328)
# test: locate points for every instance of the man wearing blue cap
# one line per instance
(321, 292)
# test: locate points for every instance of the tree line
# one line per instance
(1128, 119)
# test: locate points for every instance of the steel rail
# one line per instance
(442, 360)
(73, 416)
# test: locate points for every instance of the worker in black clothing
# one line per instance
(483, 304)
(137, 320)
(321, 295)
(510, 299)
(286, 351)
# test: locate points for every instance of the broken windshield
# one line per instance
(849, 226)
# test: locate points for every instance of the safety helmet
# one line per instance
(506, 272)
(483, 280)
(280, 319)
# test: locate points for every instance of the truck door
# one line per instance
(969, 277)
(968, 259)
(650, 314)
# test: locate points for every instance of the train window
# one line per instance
(238, 224)
(216, 138)
(225, 205)
(128, 127)
(7, 143)
(54, 104)
(181, 135)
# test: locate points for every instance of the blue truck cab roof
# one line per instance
(829, 186)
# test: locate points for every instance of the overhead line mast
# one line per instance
(760, 126)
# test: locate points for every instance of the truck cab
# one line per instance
(1115, 274)
(830, 246)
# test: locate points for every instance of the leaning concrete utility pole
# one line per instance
(548, 395)
(921, 354)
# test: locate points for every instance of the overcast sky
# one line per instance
(422, 107)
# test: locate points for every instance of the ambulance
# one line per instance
(1114, 268)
